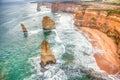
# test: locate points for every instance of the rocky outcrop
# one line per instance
(46, 54)
(24, 29)
(48, 23)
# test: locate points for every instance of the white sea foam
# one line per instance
(34, 31)
(71, 42)
(53, 73)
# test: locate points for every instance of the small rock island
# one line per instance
(24, 29)
(48, 23)
(46, 56)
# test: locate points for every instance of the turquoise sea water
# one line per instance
(15, 49)
(20, 55)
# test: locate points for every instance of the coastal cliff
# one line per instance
(100, 20)
(59, 6)
(64, 7)
(105, 22)
(107, 59)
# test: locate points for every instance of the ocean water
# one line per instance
(20, 55)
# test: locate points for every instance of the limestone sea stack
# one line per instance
(48, 23)
(46, 56)
(24, 29)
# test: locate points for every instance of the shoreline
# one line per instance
(108, 60)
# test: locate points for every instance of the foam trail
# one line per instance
(34, 31)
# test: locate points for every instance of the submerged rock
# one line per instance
(48, 23)
(24, 29)
(46, 56)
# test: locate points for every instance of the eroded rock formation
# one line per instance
(23, 28)
(48, 23)
(46, 54)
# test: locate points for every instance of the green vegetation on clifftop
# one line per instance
(109, 12)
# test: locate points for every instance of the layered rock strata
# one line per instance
(107, 58)
(107, 22)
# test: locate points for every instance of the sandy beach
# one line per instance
(109, 60)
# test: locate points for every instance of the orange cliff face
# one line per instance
(64, 7)
(108, 42)
(108, 60)
(99, 20)
(91, 20)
